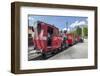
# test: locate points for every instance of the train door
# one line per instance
(49, 36)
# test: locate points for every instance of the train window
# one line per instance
(50, 30)
(56, 32)
(29, 35)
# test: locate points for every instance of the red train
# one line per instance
(48, 38)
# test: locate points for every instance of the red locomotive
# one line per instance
(68, 39)
(47, 38)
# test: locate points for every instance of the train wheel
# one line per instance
(54, 51)
(44, 55)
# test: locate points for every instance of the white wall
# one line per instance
(5, 42)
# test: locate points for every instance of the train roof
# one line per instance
(48, 24)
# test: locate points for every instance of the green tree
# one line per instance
(85, 31)
(79, 31)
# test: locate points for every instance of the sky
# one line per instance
(62, 22)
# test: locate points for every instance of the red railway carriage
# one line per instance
(47, 38)
(80, 39)
(70, 39)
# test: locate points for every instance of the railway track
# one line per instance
(40, 57)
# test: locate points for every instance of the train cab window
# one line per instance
(49, 35)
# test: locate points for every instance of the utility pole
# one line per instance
(67, 26)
